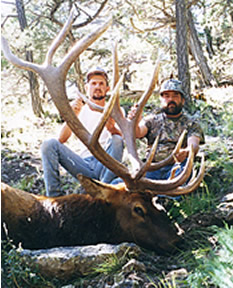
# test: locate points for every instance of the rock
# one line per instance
(134, 265)
(66, 262)
(227, 198)
(176, 276)
(179, 273)
(127, 284)
(225, 208)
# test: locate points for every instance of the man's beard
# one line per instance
(174, 110)
(98, 97)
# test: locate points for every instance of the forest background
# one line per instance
(195, 44)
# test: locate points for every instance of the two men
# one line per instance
(55, 153)
(169, 124)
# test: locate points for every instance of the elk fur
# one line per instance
(109, 215)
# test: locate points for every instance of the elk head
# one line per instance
(134, 181)
(142, 220)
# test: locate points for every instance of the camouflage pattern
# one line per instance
(170, 130)
(172, 85)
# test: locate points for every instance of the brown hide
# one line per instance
(110, 215)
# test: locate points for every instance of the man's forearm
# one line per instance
(65, 133)
(115, 131)
(194, 141)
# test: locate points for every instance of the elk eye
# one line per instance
(139, 211)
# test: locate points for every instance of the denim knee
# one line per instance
(118, 141)
(48, 145)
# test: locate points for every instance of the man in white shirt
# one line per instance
(55, 153)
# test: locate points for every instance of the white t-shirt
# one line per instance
(90, 120)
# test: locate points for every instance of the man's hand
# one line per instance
(76, 105)
(141, 129)
(110, 125)
(181, 155)
(132, 113)
(184, 152)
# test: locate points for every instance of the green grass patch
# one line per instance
(213, 267)
(201, 200)
(112, 264)
(15, 271)
(207, 261)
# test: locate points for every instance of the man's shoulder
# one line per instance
(187, 118)
(154, 116)
(192, 123)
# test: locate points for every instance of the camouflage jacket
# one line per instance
(170, 130)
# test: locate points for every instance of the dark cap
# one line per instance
(97, 71)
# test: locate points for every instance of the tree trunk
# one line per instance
(197, 52)
(182, 49)
(33, 79)
(34, 88)
(79, 80)
(77, 67)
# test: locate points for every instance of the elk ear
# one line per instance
(98, 189)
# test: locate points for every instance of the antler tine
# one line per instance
(59, 39)
(191, 186)
(107, 111)
(151, 167)
(170, 158)
(90, 103)
(165, 185)
(147, 93)
(83, 44)
(141, 169)
(117, 112)
(124, 123)
(128, 126)
(147, 164)
(116, 66)
(16, 61)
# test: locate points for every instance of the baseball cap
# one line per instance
(172, 85)
(97, 71)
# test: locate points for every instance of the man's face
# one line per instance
(97, 88)
(172, 102)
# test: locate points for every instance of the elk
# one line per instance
(107, 213)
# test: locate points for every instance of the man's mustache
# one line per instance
(172, 102)
(97, 90)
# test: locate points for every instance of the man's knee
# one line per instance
(48, 145)
(117, 141)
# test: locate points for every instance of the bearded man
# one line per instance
(169, 124)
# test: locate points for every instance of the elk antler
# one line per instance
(55, 77)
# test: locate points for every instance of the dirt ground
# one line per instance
(22, 134)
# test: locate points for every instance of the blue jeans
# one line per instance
(161, 174)
(164, 173)
(54, 154)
